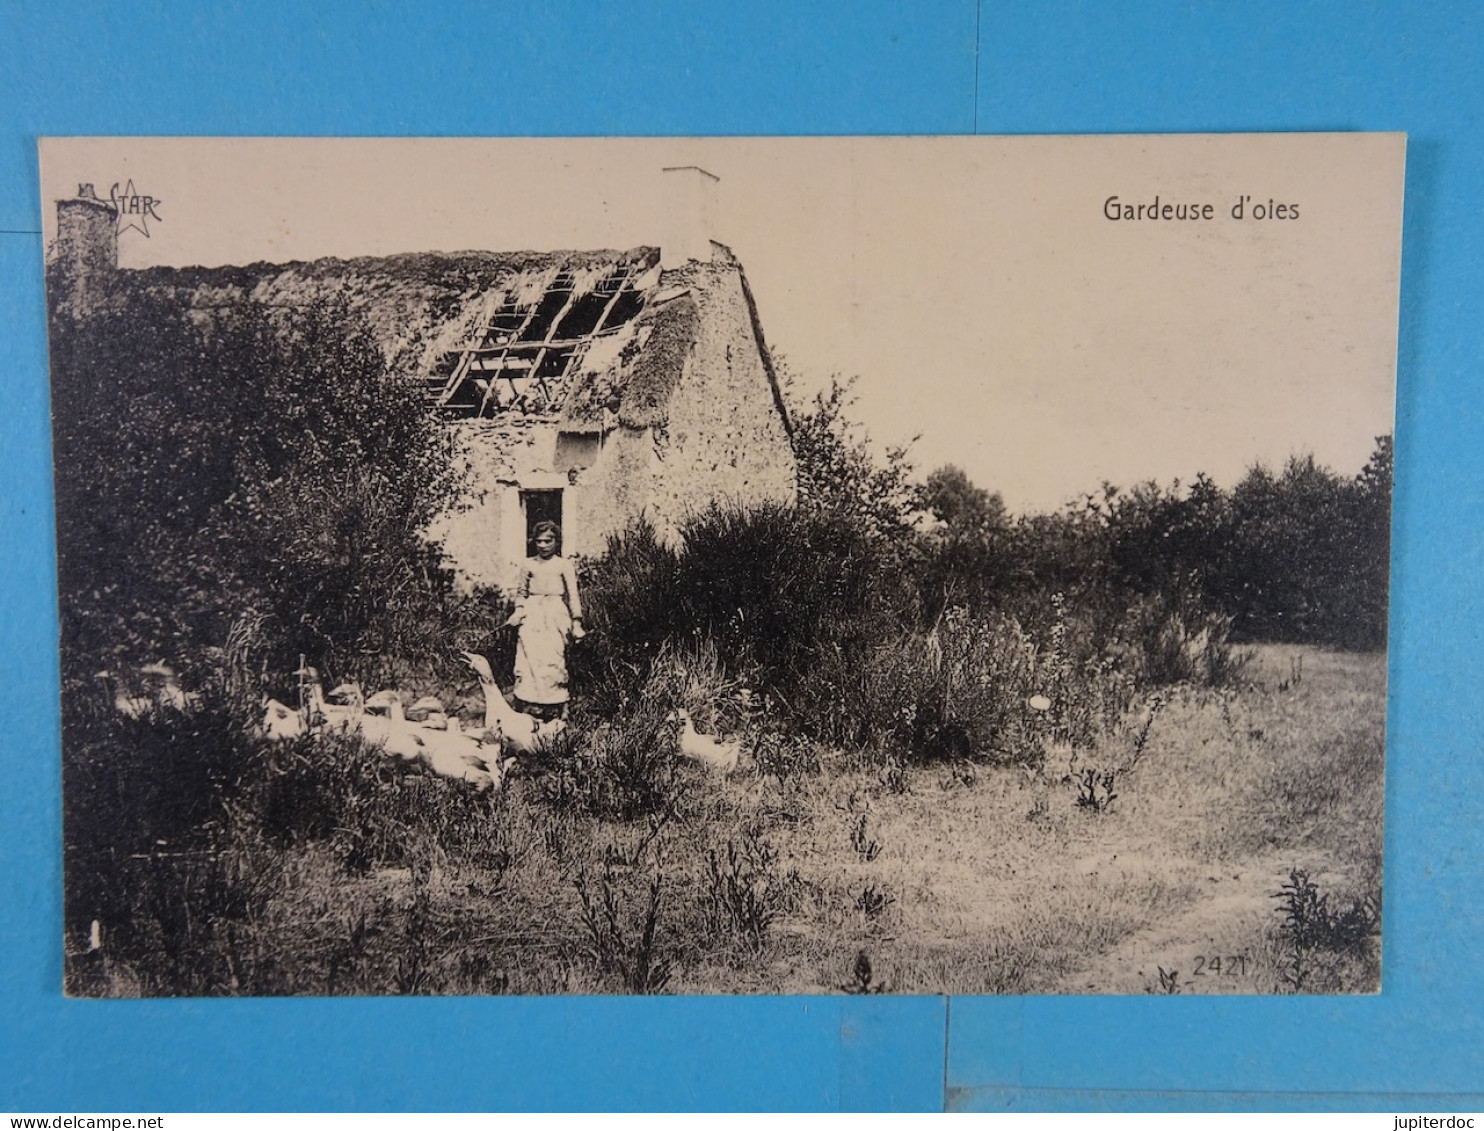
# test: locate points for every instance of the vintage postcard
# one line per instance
(812, 565)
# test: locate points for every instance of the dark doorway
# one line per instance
(541, 506)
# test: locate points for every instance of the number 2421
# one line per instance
(1233, 966)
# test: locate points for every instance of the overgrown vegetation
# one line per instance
(1299, 556)
(321, 866)
(251, 501)
(240, 464)
(1317, 935)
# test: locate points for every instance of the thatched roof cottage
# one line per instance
(588, 387)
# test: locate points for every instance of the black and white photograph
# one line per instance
(832, 565)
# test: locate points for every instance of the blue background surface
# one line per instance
(682, 68)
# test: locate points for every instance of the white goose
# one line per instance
(449, 752)
(428, 711)
(381, 722)
(343, 715)
(710, 752)
(162, 684)
(281, 722)
(130, 706)
(524, 734)
(381, 703)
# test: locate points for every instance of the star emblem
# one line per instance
(134, 209)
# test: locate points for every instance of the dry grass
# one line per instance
(953, 877)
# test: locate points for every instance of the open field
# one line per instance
(354, 875)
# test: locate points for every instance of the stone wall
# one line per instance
(483, 534)
(725, 438)
(618, 489)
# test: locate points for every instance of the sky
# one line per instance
(974, 287)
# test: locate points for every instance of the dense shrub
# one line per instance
(628, 604)
(933, 648)
(956, 689)
(239, 460)
(139, 795)
(776, 591)
(1301, 556)
(1310, 554)
(623, 767)
(776, 587)
(829, 635)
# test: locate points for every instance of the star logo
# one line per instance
(134, 209)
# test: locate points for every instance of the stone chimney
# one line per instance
(87, 234)
(690, 215)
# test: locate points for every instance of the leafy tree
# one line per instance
(1369, 581)
(967, 557)
(964, 509)
(221, 458)
(1307, 559)
(840, 473)
(1168, 541)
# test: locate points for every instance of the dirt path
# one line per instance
(1221, 944)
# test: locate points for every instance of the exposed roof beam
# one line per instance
(462, 370)
(548, 344)
(612, 301)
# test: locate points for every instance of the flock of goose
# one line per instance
(426, 732)
(422, 731)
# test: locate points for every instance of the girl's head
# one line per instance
(547, 536)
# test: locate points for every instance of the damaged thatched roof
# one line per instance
(588, 339)
(631, 379)
(419, 306)
(535, 331)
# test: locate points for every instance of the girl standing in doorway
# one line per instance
(548, 613)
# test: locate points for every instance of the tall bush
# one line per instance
(776, 590)
(216, 459)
